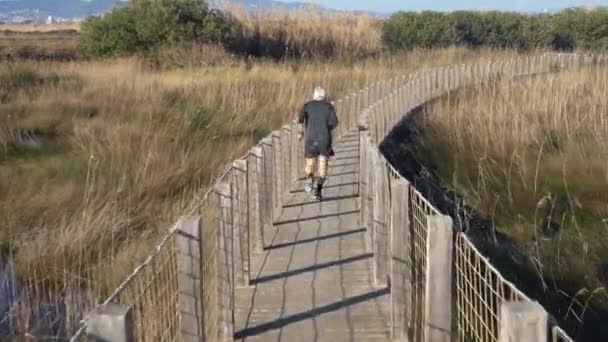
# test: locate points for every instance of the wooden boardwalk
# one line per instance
(314, 281)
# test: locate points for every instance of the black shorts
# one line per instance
(314, 149)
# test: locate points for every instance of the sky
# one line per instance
(387, 6)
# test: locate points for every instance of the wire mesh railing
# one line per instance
(420, 209)
(480, 291)
(187, 285)
(153, 296)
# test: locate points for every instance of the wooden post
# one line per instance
(435, 82)
(438, 306)
(393, 110)
(225, 271)
(380, 118)
(354, 111)
(401, 277)
(240, 221)
(285, 160)
(380, 224)
(369, 205)
(293, 147)
(285, 136)
(111, 322)
(427, 85)
(417, 91)
(402, 103)
(256, 194)
(301, 158)
(277, 173)
(268, 183)
(339, 110)
(189, 277)
(363, 177)
(522, 322)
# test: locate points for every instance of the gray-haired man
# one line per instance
(317, 120)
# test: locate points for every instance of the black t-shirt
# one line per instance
(319, 118)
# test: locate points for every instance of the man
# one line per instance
(317, 120)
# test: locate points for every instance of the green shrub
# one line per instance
(141, 26)
(569, 29)
(406, 30)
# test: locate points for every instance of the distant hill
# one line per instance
(38, 10)
(290, 5)
(74, 10)
(265, 4)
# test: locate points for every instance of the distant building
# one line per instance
(49, 20)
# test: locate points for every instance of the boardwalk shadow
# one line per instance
(316, 239)
(343, 164)
(351, 158)
(282, 322)
(337, 198)
(325, 200)
(330, 175)
(332, 186)
(312, 218)
(312, 268)
(345, 173)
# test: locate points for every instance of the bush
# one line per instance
(428, 29)
(142, 26)
(574, 28)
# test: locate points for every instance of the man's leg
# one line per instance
(309, 171)
(322, 176)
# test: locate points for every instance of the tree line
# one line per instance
(567, 30)
(146, 26)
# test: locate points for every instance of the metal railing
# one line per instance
(187, 285)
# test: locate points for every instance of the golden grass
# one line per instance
(307, 32)
(34, 45)
(37, 28)
(528, 155)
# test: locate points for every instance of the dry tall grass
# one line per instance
(532, 156)
(38, 28)
(308, 33)
(37, 45)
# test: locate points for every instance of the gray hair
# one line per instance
(320, 94)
